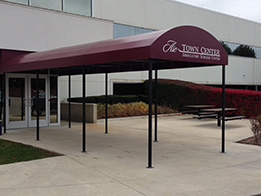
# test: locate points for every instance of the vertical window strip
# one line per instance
(92, 8)
(62, 5)
(62, 1)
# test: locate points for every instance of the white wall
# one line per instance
(241, 70)
(29, 28)
(95, 83)
(163, 14)
(36, 29)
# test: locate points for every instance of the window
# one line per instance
(258, 52)
(128, 88)
(82, 7)
(120, 30)
(19, 1)
(138, 30)
(51, 4)
(234, 46)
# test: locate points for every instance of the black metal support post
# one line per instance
(156, 107)
(223, 108)
(1, 106)
(106, 104)
(22, 101)
(219, 120)
(4, 96)
(37, 107)
(83, 111)
(69, 105)
(150, 117)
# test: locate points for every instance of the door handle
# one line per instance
(30, 103)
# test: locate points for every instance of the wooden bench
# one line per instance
(189, 112)
(227, 118)
(206, 113)
(233, 118)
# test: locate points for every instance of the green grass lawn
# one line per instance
(11, 152)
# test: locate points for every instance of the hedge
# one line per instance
(176, 94)
(112, 99)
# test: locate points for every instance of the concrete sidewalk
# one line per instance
(186, 160)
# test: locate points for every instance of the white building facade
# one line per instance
(163, 14)
(38, 25)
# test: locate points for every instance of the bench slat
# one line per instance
(206, 113)
(206, 116)
(189, 112)
(233, 118)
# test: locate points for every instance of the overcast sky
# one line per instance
(248, 9)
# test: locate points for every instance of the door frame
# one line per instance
(15, 124)
(45, 121)
(28, 122)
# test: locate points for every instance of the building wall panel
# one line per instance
(36, 29)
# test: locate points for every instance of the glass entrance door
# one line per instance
(16, 102)
(42, 85)
(22, 101)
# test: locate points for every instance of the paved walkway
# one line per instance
(186, 160)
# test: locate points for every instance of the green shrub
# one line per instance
(91, 99)
(116, 99)
(129, 109)
(112, 99)
(101, 99)
(144, 98)
(130, 98)
(176, 94)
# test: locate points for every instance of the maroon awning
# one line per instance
(181, 44)
(180, 47)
